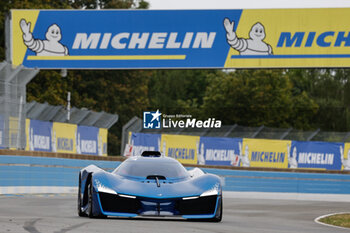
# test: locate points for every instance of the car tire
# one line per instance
(218, 217)
(90, 201)
(80, 213)
(90, 209)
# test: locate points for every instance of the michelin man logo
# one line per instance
(31, 139)
(164, 149)
(255, 45)
(292, 159)
(236, 158)
(53, 140)
(200, 153)
(245, 158)
(345, 161)
(100, 145)
(77, 142)
(49, 47)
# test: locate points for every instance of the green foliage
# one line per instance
(178, 91)
(330, 90)
(257, 97)
(48, 86)
(109, 4)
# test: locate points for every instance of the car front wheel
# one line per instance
(80, 213)
(90, 208)
(218, 216)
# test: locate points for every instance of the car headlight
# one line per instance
(211, 192)
(102, 188)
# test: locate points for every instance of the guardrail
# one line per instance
(29, 174)
(33, 174)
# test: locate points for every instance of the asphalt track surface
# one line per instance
(57, 214)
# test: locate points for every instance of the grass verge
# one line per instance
(341, 220)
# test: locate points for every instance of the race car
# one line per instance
(150, 185)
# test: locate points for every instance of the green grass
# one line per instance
(341, 220)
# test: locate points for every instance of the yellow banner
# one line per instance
(102, 142)
(291, 38)
(265, 153)
(345, 157)
(27, 133)
(20, 17)
(13, 132)
(64, 137)
(182, 148)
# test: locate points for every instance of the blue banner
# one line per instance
(321, 155)
(87, 141)
(40, 138)
(121, 39)
(144, 142)
(219, 151)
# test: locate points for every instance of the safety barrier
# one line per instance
(55, 137)
(244, 152)
(29, 174)
(291, 182)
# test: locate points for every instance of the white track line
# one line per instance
(317, 220)
(289, 196)
(36, 189)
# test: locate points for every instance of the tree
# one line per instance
(257, 97)
(119, 92)
(330, 89)
(178, 91)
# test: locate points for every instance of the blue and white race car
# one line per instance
(150, 185)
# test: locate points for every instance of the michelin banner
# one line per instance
(219, 151)
(39, 136)
(180, 147)
(321, 155)
(265, 153)
(139, 142)
(88, 141)
(103, 136)
(136, 39)
(65, 138)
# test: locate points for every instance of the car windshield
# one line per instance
(148, 168)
